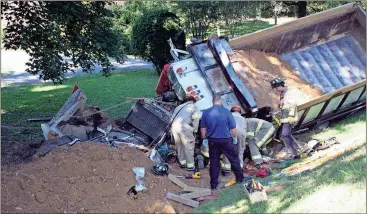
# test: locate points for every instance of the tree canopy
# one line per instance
(150, 34)
(48, 30)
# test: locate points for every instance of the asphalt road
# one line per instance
(13, 68)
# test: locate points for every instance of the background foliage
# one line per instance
(49, 30)
(90, 32)
(150, 33)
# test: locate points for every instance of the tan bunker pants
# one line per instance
(185, 144)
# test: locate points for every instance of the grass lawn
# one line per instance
(240, 28)
(20, 102)
(338, 185)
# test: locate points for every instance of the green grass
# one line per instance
(338, 185)
(20, 102)
(241, 28)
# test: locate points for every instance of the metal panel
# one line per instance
(330, 66)
(333, 104)
(313, 112)
(363, 97)
(213, 75)
(148, 119)
(353, 96)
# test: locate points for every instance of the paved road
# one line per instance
(13, 68)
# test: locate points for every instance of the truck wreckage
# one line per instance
(314, 47)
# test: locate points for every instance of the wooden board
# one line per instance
(177, 181)
(182, 200)
(193, 189)
(311, 19)
(197, 194)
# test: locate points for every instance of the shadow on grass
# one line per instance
(335, 171)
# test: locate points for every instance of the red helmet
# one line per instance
(236, 108)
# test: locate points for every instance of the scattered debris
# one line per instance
(196, 194)
(206, 198)
(39, 119)
(160, 169)
(239, 207)
(312, 163)
(139, 175)
(182, 200)
(255, 191)
(70, 174)
(132, 190)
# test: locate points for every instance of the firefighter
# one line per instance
(241, 126)
(185, 123)
(289, 116)
(258, 134)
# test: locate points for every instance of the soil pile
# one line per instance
(87, 177)
(260, 68)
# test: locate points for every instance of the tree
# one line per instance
(233, 12)
(47, 30)
(126, 13)
(198, 15)
(150, 33)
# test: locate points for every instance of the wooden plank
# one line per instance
(197, 194)
(193, 189)
(298, 23)
(182, 200)
(177, 181)
(330, 95)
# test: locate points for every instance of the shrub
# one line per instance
(150, 34)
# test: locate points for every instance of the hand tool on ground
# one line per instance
(74, 141)
(196, 175)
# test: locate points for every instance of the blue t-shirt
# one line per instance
(218, 122)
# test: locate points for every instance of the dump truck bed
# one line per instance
(328, 50)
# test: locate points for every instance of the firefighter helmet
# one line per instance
(279, 81)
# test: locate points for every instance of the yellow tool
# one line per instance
(196, 175)
(229, 183)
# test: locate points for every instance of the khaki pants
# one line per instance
(185, 144)
(241, 145)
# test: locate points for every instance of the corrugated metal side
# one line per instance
(330, 66)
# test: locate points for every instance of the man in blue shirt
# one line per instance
(218, 130)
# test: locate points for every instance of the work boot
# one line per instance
(190, 169)
(181, 165)
(200, 161)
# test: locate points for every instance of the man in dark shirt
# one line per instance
(218, 130)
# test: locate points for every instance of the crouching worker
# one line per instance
(241, 125)
(258, 134)
(185, 123)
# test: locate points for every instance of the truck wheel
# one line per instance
(321, 127)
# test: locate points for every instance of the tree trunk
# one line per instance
(275, 18)
(302, 9)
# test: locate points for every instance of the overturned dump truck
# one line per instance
(324, 53)
(326, 50)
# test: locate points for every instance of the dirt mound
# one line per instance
(260, 68)
(87, 177)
